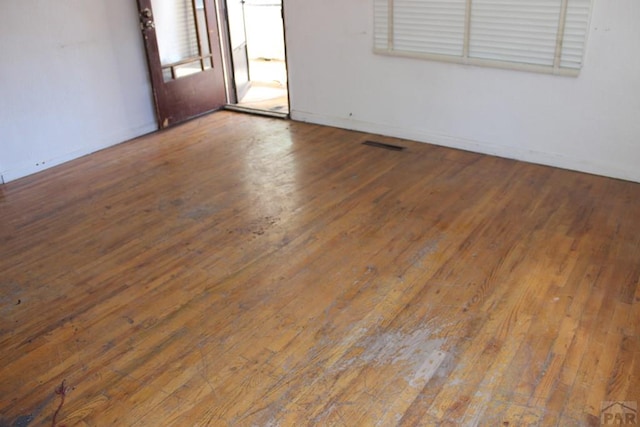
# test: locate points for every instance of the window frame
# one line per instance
(467, 59)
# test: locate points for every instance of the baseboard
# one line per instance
(484, 147)
(25, 169)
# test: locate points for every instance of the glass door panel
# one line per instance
(181, 30)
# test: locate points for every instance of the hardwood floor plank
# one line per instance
(247, 271)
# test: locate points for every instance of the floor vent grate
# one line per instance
(384, 145)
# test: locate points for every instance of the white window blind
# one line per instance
(537, 35)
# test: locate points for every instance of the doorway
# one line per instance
(185, 56)
(257, 58)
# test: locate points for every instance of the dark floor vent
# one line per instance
(384, 145)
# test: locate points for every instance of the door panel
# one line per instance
(238, 40)
(183, 52)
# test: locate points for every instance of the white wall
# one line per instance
(589, 123)
(73, 80)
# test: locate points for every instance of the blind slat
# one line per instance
(523, 31)
(509, 31)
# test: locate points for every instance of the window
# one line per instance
(536, 35)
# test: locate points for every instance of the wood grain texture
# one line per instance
(248, 271)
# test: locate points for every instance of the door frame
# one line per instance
(225, 46)
(231, 59)
(225, 40)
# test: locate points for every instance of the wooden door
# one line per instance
(184, 56)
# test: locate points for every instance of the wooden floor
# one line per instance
(248, 271)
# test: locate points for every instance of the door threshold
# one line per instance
(268, 113)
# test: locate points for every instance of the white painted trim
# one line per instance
(467, 32)
(390, 18)
(518, 66)
(557, 57)
(483, 147)
(22, 170)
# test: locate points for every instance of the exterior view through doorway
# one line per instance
(257, 57)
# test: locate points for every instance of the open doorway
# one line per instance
(257, 57)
